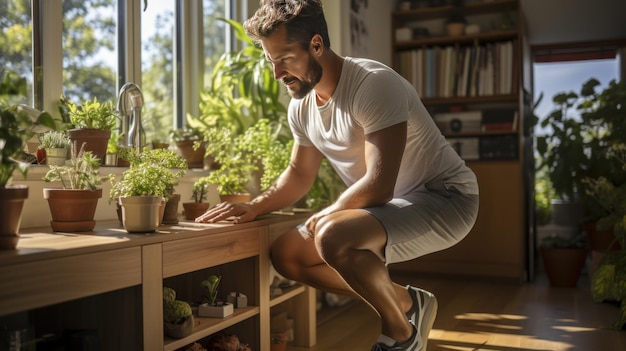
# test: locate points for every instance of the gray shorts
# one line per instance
(432, 218)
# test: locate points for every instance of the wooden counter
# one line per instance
(58, 269)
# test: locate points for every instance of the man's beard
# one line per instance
(305, 86)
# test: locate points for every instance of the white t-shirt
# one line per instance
(369, 97)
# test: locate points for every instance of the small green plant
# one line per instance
(54, 139)
(559, 242)
(81, 172)
(113, 145)
(186, 134)
(145, 180)
(164, 157)
(174, 311)
(90, 114)
(151, 173)
(200, 189)
(211, 284)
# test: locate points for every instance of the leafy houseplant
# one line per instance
(73, 206)
(147, 181)
(169, 159)
(18, 123)
(608, 281)
(92, 123)
(177, 315)
(211, 307)
(54, 146)
(578, 147)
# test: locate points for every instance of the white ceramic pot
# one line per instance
(56, 156)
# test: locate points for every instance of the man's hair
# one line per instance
(302, 18)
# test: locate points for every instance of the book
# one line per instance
(499, 119)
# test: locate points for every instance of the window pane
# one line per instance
(214, 33)
(89, 51)
(16, 45)
(157, 29)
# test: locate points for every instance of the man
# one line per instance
(408, 192)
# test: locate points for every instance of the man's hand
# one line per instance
(238, 212)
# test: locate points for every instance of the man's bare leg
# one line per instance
(346, 257)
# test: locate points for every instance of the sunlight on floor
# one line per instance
(489, 316)
(450, 340)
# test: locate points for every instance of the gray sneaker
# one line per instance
(413, 344)
(423, 312)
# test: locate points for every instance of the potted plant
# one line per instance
(609, 275)
(54, 146)
(144, 187)
(178, 318)
(169, 159)
(563, 259)
(73, 206)
(190, 143)
(199, 194)
(210, 306)
(92, 123)
(18, 123)
(584, 126)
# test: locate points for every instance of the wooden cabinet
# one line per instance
(477, 87)
(111, 282)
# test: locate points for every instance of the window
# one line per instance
(561, 70)
(16, 44)
(157, 69)
(87, 48)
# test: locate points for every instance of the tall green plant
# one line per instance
(584, 126)
(241, 89)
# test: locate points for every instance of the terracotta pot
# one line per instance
(193, 210)
(170, 215)
(141, 214)
(96, 140)
(600, 240)
(11, 204)
(72, 210)
(194, 158)
(563, 265)
(278, 341)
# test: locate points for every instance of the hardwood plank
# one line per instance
(476, 315)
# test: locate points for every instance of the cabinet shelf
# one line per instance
(474, 8)
(207, 326)
(508, 98)
(288, 293)
(466, 39)
(482, 73)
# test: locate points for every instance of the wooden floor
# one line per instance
(479, 315)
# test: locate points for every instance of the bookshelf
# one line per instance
(476, 86)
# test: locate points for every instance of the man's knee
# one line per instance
(282, 257)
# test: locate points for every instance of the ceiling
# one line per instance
(569, 21)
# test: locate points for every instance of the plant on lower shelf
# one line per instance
(177, 315)
(211, 307)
